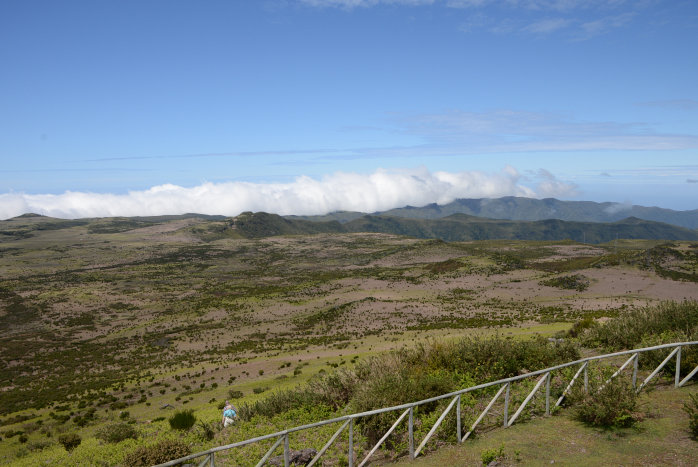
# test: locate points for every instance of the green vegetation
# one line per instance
(70, 441)
(158, 453)
(182, 420)
(648, 326)
(572, 282)
(691, 409)
(112, 326)
(116, 432)
(610, 404)
(490, 455)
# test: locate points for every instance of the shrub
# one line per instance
(691, 408)
(661, 324)
(609, 405)
(420, 372)
(39, 445)
(232, 394)
(489, 455)
(572, 282)
(278, 402)
(580, 326)
(157, 453)
(206, 430)
(182, 420)
(118, 405)
(70, 441)
(116, 432)
(627, 330)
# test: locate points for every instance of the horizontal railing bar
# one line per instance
(425, 401)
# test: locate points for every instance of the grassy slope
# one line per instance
(108, 291)
(661, 439)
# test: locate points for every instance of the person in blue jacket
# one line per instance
(229, 414)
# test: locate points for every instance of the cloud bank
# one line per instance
(380, 190)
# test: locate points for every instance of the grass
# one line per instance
(662, 438)
(105, 318)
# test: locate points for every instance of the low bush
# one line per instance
(278, 402)
(611, 405)
(627, 331)
(116, 432)
(233, 394)
(423, 371)
(206, 430)
(489, 455)
(182, 420)
(572, 282)
(582, 325)
(70, 441)
(660, 324)
(157, 453)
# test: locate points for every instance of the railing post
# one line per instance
(635, 366)
(212, 460)
(677, 378)
(506, 405)
(547, 393)
(458, 429)
(286, 451)
(351, 443)
(410, 430)
(586, 378)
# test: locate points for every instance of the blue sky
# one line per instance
(304, 106)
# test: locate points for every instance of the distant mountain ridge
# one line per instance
(462, 227)
(449, 222)
(529, 209)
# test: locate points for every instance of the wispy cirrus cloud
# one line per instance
(600, 26)
(538, 5)
(377, 191)
(581, 19)
(547, 26)
(282, 152)
(677, 104)
(348, 4)
(517, 131)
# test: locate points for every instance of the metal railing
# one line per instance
(408, 409)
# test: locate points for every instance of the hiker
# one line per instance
(229, 414)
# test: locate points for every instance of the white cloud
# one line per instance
(381, 190)
(547, 26)
(551, 187)
(619, 207)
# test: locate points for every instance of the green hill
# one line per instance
(528, 209)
